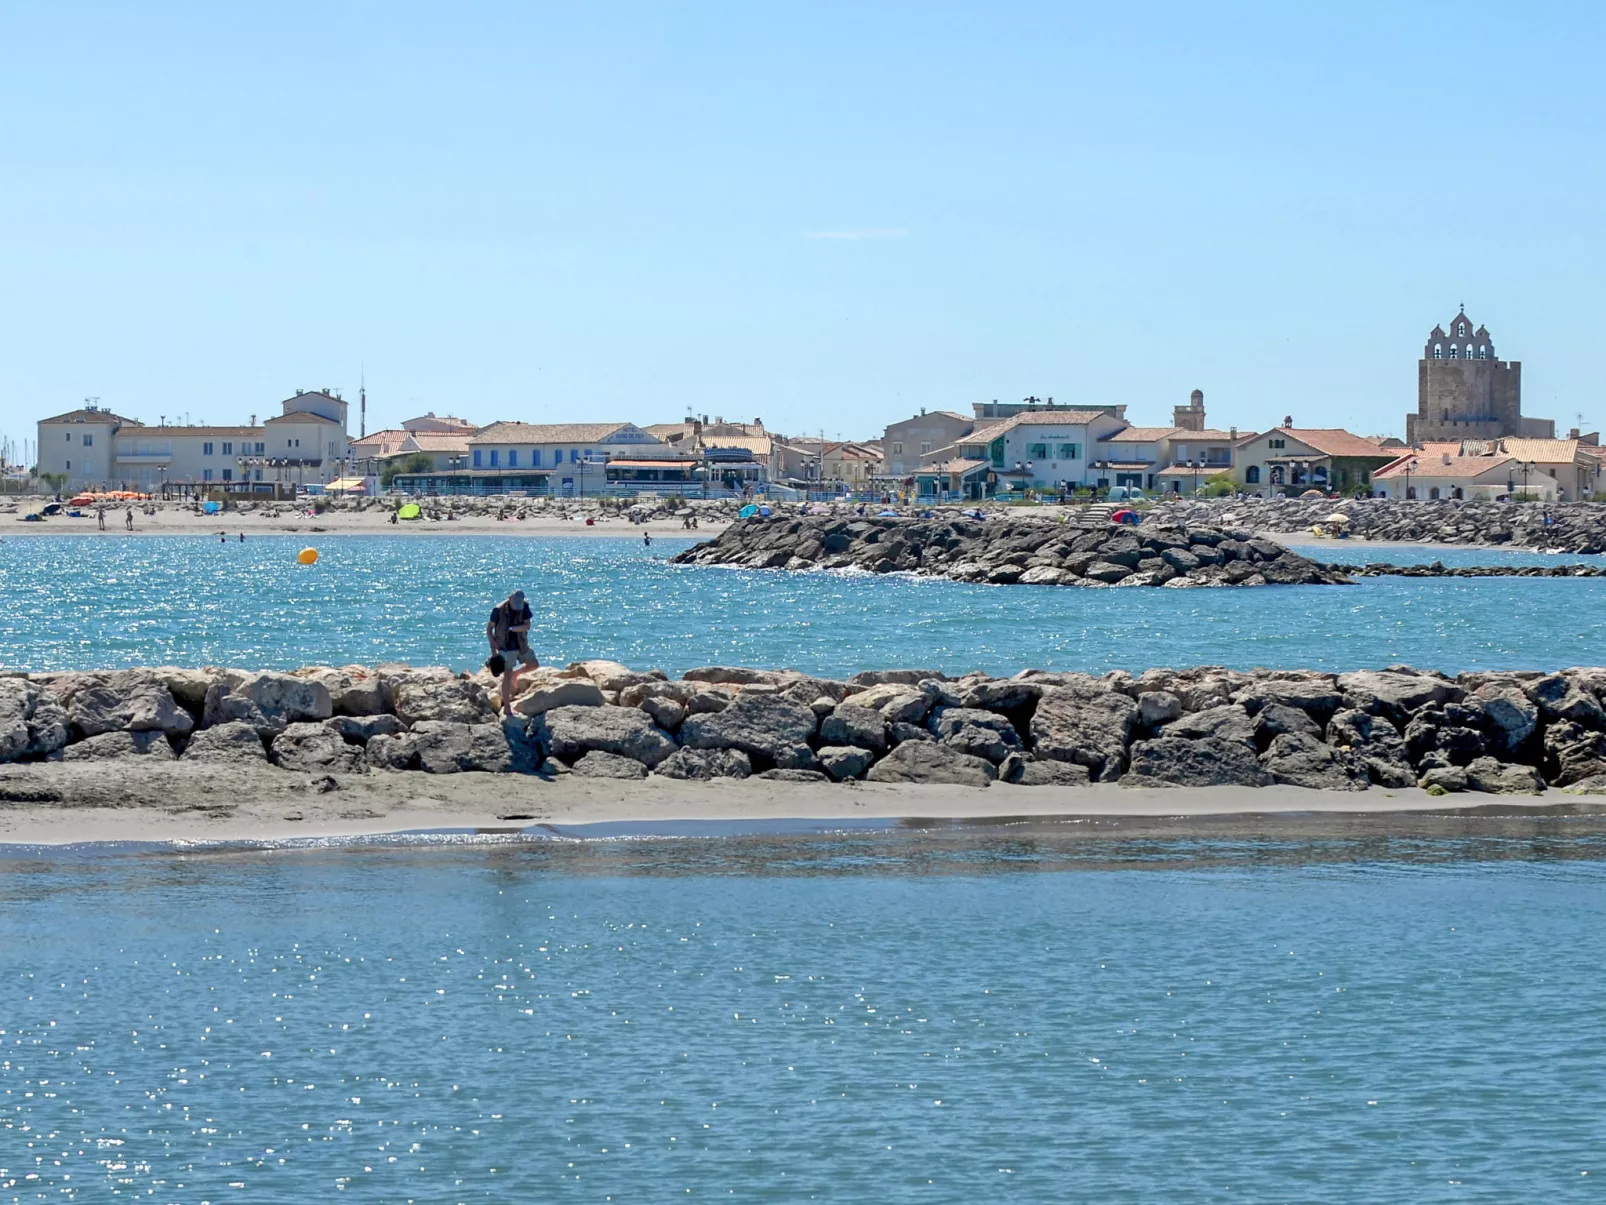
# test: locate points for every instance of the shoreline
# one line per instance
(210, 527)
(58, 805)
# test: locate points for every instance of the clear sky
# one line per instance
(823, 214)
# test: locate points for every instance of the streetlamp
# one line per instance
(1526, 465)
(1193, 463)
(1409, 465)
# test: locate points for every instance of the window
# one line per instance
(1037, 451)
(88, 439)
(69, 437)
(924, 448)
(476, 458)
(512, 458)
(261, 448)
(557, 457)
(206, 449)
(1276, 474)
(574, 455)
(535, 457)
(1438, 352)
(228, 474)
(259, 474)
(206, 474)
(69, 465)
(897, 448)
(1433, 493)
(1252, 475)
(1276, 443)
(495, 457)
(228, 450)
(1070, 451)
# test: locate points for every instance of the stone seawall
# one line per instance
(1516, 732)
(1006, 552)
(1578, 527)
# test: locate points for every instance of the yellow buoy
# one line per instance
(307, 556)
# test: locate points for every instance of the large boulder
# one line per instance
(1052, 774)
(1300, 759)
(571, 732)
(1156, 707)
(129, 701)
(386, 752)
(32, 722)
(845, 761)
(1317, 694)
(354, 690)
(974, 731)
(1501, 778)
(1573, 753)
(1000, 694)
(897, 703)
(232, 741)
(928, 762)
(1208, 761)
(1225, 721)
(269, 701)
(598, 763)
(702, 764)
(548, 693)
(612, 675)
(1394, 694)
(1559, 698)
(897, 677)
(850, 724)
(1511, 718)
(187, 686)
(1276, 719)
(444, 747)
(360, 729)
(767, 728)
(421, 697)
(1091, 728)
(314, 747)
(109, 746)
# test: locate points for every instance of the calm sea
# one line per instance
(1347, 1011)
(87, 603)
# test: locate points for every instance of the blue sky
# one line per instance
(826, 215)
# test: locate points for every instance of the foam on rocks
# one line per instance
(1495, 732)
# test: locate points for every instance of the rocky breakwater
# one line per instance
(1578, 527)
(1503, 733)
(1010, 552)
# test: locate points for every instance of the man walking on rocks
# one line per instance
(509, 634)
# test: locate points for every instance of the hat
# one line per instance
(517, 596)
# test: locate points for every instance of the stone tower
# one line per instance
(1463, 391)
(1190, 417)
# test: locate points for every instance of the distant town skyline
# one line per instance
(827, 218)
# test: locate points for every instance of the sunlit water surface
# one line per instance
(77, 602)
(1007, 1012)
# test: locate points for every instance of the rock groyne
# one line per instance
(1578, 527)
(1512, 732)
(1004, 552)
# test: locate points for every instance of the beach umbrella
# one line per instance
(1313, 494)
(1337, 516)
(409, 511)
(211, 508)
(747, 512)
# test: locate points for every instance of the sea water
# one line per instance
(1360, 1012)
(87, 602)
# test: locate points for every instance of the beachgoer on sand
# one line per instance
(128, 518)
(100, 517)
(509, 634)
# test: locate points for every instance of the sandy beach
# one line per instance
(55, 804)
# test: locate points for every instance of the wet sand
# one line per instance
(55, 804)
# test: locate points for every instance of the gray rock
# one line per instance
(1573, 753)
(1208, 761)
(283, 698)
(1498, 778)
(845, 761)
(421, 697)
(1000, 694)
(1318, 695)
(1275, 719)
(898, 704)
(445, 747)
(1451, 778)
(1560, 699)
(544, 695)
(32, 722)
(787, 774)
(928, 762)
(1088, 728)
(762, 726)
(109, 745)
(1227, 722)
(309, 748)
(600, 764)
(1106, 571)
(850, 724)
(974, 731)
(1156, 707)
(1393, 694)
(898, 733)
(898, 677)
(129, 701)
(187, 686)
(1053, 774)
(354, 690)
(1511, 716)
(666, 713)
(570, 732)
(1300, 759)
(700, 764)
(525, 755)
(233, 741)
(385, 752)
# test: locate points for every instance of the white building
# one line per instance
(97, 449)
(1037, 449)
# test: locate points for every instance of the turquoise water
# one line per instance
(1021, 1013)
(90, 603)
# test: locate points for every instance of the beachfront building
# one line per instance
(1290, 460)
(1571, 463)
(1035, 449)
(96, 449)
(908, 444)
(1472, 469)
(444, 424)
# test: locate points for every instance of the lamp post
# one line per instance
(1409, 465)
(1526, 465)
(1193, 463)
